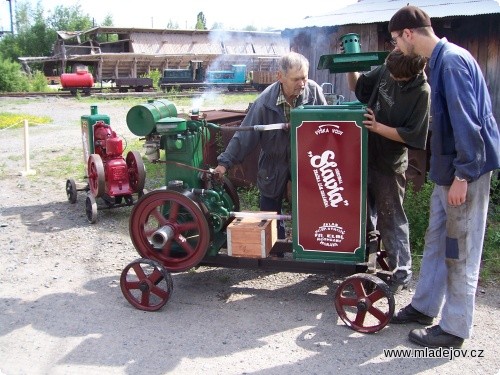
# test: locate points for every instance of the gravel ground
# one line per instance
(62, 310)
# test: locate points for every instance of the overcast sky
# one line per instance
(157, 13)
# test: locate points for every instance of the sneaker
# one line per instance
(435, 337)
(408, 314)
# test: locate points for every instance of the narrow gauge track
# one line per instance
(113, 94)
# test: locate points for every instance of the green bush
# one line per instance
(39, 82)
(155, 76)
(417, 204)
(12, 79)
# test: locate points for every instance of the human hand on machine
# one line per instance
(219, 172)
(370, 123)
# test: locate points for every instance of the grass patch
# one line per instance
(16, 120)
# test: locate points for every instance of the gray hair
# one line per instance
(293, 60)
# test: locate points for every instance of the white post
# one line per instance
(27, 170)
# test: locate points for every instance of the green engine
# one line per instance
(186, 219)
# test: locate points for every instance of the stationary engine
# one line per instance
(110, 176)
(181, 222)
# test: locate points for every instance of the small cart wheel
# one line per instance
(364, 303)
(97, 178)
(146, 284)
(136, 171)
(91, 208)
(71, 190)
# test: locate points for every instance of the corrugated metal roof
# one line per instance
(373, 11)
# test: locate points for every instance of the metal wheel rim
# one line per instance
(91, 208)
(185, 218)
(97, 178)
(366, 312)
(146, 284)
(71, 191)
(136, 171)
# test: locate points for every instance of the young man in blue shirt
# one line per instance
(465, 146)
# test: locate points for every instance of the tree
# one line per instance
(172, 25)
(218, 26)
(201, 22)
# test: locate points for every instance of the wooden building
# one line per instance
(474, 25)
(111, 52)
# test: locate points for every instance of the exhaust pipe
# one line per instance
(161, 236)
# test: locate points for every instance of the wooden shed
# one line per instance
(472, 24)
(112, 52)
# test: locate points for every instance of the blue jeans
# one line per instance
(452, 256)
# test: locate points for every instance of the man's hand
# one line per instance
(219, 171)
(457, 193)
(370, 122)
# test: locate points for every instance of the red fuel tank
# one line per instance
(79, 79)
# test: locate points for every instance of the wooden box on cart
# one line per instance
(251, 237)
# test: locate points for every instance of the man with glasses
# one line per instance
(465, 146)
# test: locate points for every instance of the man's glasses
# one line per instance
(394, 41)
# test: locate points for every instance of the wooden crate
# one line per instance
(251, 237)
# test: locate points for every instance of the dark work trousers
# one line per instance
(274, 205)
(385, 214)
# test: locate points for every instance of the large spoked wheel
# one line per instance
(146, 284)
(136, 171)
(364, 303)
(97, 179)
(170, 228)
(71, 191)
(91, 208)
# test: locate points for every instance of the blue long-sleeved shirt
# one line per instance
(465, 140)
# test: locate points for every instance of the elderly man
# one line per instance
(273, 105)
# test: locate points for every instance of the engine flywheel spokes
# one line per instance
(171, 228)
(97, 178)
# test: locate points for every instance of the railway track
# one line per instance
(113, 94)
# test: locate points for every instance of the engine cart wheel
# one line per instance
(364, 303)
(97, 178)
(146, 284)
(91, 208)
(136, 171)
(71, 192)
(170, 228)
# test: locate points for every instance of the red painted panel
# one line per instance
(329, 191)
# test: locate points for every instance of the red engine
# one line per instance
(109, 173)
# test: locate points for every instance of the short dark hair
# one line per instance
(409, 17)
(402, 66)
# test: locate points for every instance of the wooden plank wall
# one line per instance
(478, 34)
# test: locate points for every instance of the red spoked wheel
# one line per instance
(170, 228)
(136, 171)
(146, 284)
(364, 303)
(97, 178)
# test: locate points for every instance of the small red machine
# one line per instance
(111, 177)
